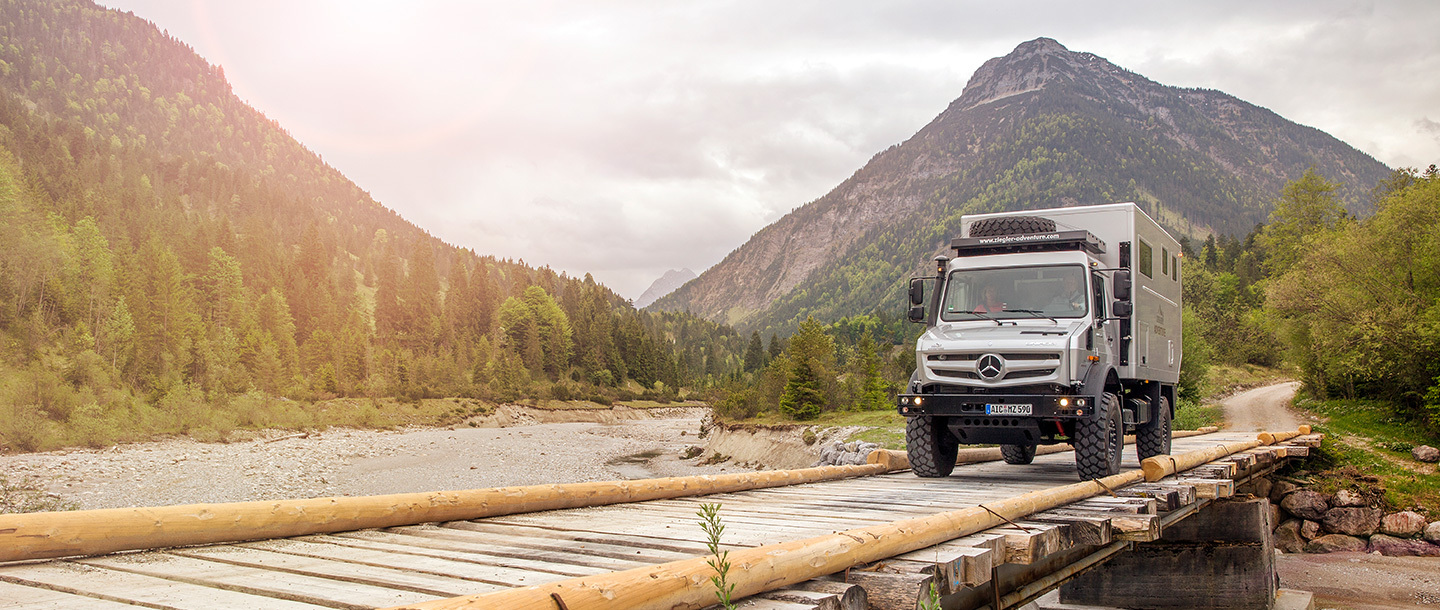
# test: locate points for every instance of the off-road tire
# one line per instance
(1153, 438)
(1017, 454)
(1099, 441)
(1011, 225)
(930, 446)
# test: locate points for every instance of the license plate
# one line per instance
(1009, 409)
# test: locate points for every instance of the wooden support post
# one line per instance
(1220, 557)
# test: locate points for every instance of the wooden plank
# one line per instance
(496, 554)
(1084, 529)
(890, 590)
(1139, 506)
(387, 578)
(38, 598)
(761, 603)
(662, 543)
(1123, 526)
(1297, 451)
(111, 585)
(1166, 498)
(459, 570)
(958, 566)
(1210, 489)
(255, 581)
(1029, 545)
(465, 556)
(851, 597)
(456, 531)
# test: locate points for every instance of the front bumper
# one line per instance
(1042, 406)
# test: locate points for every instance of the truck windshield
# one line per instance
(1015, 292)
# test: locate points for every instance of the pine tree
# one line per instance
(803, 397)
(755, 353)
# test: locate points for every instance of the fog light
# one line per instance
(917, 401)
(1064, 402)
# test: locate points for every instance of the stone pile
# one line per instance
(845, 454)
(1312, 522)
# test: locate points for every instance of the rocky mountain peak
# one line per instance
(1031, 66)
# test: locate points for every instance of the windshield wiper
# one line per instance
(976, 313)
(1034, 312)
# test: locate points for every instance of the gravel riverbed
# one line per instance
(343, 462)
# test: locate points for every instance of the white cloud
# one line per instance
(628, 138)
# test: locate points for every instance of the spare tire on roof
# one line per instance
(1011, 225)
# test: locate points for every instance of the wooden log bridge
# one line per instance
(989, 536)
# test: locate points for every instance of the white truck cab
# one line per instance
(1047, 326)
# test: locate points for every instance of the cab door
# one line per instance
(1107, 333)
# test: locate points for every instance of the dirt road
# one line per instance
(1340, 581)
(1264, 408)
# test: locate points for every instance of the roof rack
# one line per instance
(1030, 242)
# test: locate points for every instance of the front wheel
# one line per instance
(1098, 441)
(1153, 438)
(1017, 454)
(930, 446)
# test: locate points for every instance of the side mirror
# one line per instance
(916, 314)
(1122, 309)
(917, 291)
(1122, 285)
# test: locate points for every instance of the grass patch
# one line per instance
(1194, 414)
(1367, 436)
(888, 437)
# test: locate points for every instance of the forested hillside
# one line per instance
(168, 253)
(1041, 127)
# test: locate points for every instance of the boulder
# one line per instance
(1262, 487)
(1346, 497)
(1407, 524)
(1287, 537)
(1311, 530)
(1305, 504)
(1400, 547)
(1335, 543)
(1426, 453)
(1352, 520)
(1432, 533)
(1280, 489)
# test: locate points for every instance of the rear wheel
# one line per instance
(930, 446)
(1153, 438)
(1098, 441)
(1018, 454)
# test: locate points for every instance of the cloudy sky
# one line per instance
(624, 138)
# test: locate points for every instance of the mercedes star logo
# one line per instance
(990, 366)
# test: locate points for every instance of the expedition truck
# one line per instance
(1047, 326)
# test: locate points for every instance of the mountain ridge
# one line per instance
(663, 285)
(1039, 127)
